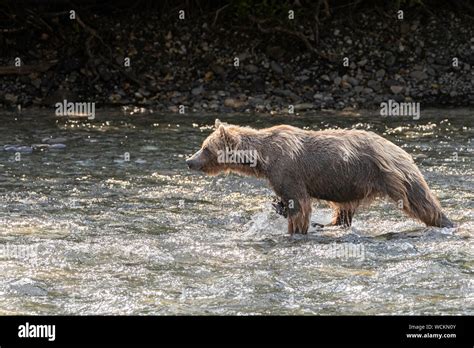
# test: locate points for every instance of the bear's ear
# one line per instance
(219, 123)
(230, 138)
(221, 130)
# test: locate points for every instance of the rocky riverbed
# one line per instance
(140, 59)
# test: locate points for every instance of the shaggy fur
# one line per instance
(347, 168)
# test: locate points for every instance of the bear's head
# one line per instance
(224, 151)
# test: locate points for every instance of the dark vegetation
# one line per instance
(191, 62)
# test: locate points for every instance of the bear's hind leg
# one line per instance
(343, 213)
(342, 218)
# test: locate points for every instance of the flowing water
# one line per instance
(115, 223)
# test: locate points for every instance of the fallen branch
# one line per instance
(92, 32)
(217, 13)
(12, 30)
(280, 29)
(26, 69)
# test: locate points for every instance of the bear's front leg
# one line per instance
(280, 207)
(299, 215)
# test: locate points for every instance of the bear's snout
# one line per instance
(195, 162)
(192, 164)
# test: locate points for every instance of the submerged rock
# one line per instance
(18, 148)
(57, 146)
(53, 140)
(40, 146)
(29, 287)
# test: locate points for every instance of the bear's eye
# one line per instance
(206, 151)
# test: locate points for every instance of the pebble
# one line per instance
(325, 78)
(251, 68)
(304, 106)
(276, 67)
(390, 60)
(396, 89)
(419, 75)
(380, 73)
(353, 81)
(11, 98)
(233, 103)
(197, 90)
(374, 85)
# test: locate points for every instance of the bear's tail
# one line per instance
(404, 183)
(422, 204)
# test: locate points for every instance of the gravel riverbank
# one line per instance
(423, 58)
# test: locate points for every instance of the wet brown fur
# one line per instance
(347, 168)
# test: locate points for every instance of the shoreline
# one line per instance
(363, 61)
(429, 113)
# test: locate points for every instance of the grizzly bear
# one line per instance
(346, 168)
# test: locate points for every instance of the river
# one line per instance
(115, 223)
